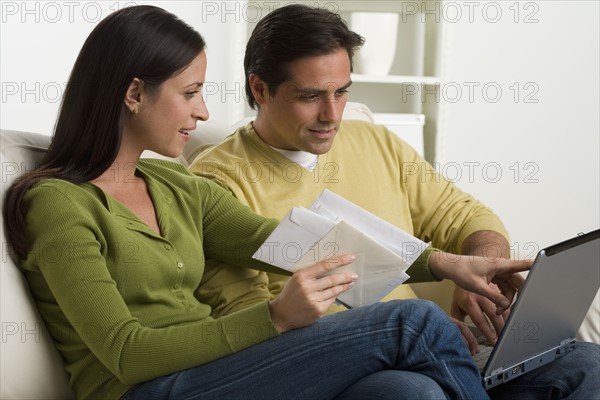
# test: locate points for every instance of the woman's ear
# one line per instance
(133, 96)
(259, 88)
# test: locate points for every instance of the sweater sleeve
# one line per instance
(441, 212)
(419, 270)
(235, 246)
(76, 289)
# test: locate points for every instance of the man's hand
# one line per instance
(481, 311)
(467, 335)
(498, 280)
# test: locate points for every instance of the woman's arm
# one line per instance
(475, 274)
(233, 232)
(67, 263)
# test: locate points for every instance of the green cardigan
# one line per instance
(118, 299)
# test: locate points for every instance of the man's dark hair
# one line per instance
(290, 33)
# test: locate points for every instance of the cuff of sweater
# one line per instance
(419, 270)
(257, 327)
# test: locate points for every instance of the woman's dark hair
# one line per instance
(143, 42)
(290, 33)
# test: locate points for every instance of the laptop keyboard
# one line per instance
(481, 358)
(485, 349)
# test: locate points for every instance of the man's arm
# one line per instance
(486, 244)
(491, 245)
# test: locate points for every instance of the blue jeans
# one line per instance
(392, 384)
(339, 355)
(576, 375)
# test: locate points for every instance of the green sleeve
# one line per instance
(235, 246)
(419, 270)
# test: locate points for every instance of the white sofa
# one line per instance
(31, 367)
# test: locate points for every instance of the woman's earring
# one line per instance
(134, 110)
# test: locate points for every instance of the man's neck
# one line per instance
(304, 159)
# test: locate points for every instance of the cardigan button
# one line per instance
(179, 265)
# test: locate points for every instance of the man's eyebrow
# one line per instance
(310, 90)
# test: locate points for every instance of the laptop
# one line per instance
(548, 312)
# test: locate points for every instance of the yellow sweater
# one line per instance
(368, 165)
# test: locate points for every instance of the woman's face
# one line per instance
(166, 115)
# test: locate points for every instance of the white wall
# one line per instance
(533, 158)
(544, 144)
(41, 39)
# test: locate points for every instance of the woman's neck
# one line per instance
(122, 172)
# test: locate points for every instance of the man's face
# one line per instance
(305, 112)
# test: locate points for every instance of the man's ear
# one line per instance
(133, 96)
(259, 88)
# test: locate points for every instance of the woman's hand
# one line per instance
(309, 293)
(475, 274)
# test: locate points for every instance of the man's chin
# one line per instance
(320, 149)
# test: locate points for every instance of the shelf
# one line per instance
(408, 127)
(395, 79)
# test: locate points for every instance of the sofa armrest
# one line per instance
(31, 367)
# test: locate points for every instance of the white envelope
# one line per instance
(334, 226)
(295, 235)
(379, 269)
(395, 239)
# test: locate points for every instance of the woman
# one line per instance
(113, 248)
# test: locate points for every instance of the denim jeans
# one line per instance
(339, 355)
(392, 384)
(576, 375)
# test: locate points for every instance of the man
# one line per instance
(298, 64)
(283, 159)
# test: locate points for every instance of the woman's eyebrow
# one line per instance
(195, 84)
